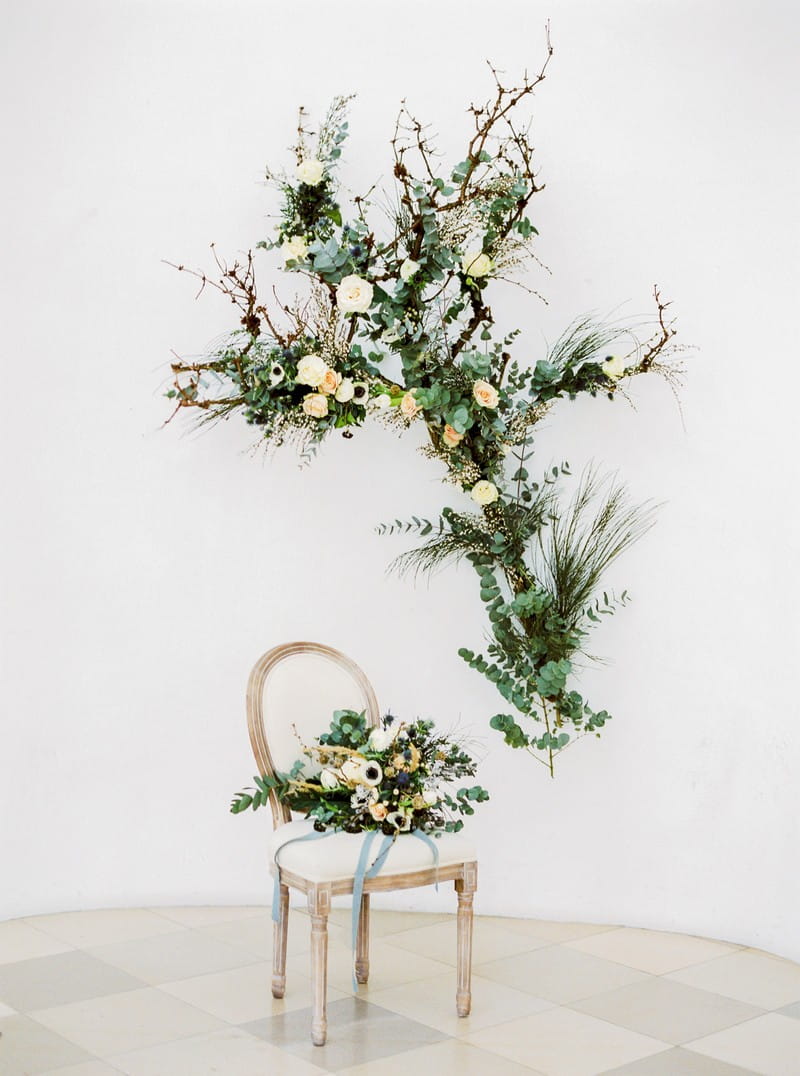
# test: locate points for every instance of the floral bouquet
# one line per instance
(389, 778)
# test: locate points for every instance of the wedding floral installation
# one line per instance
(395, 324)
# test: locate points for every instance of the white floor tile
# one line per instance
(756, 978)
(433, 1002)
(451, 1058)
(206, 916)
(652, 951)
(565, 1043)
(768, 1044)
(20, 941)
(223, 1053)
(103, 926)
(244, 994)
(179, 955)
(129, 1021)
(489, 942)
(88, 1068)
(560, 974)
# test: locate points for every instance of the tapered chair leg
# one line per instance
(362, 942)
(280, 930)
(465, 888)
(319, 906)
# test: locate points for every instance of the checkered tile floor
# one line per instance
(185, 992)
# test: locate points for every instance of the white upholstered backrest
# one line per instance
(297, 686)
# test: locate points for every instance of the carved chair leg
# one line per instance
(279, 933)
(319, 905)
(465, 888)
(362, 942)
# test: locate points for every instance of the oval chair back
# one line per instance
(291, 696)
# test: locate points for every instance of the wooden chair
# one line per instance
(298, 686)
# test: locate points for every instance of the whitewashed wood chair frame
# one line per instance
(319, 894)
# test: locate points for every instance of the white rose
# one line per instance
(485, 395)
(614, 367)
(315, 404)
(380, 739)
(484, 492)
(310, 171)
(430, 796)
(344, 394)
(381, 402)
(328, 779)
(294, 249)
(311, 370)
(475, 263)
(354, 295)
(407, 269)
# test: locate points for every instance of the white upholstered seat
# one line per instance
(335, 856)
(291, 696)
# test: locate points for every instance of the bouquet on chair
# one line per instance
(390, 778)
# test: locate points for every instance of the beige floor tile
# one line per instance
(560, 974)
(389, 966)
(451, 1058)
(755, 978)
(129, 1021)
(561, 1042)
(206, 916)
(769, 1044)
(489, 942)
(61, 979)
(244, 994)
(652, 951)
(88, 1068)
(28, 1048)
(384, 923)
(20, 941)
(679, 1062)
(182, 954)
(102, 927)
(223, 1053)
(433, 1002)
(548, 930)
(255, 934)
(667, 1010)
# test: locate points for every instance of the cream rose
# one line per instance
(381, 401)
(345, 391)
(407, 269)
(430, 797)
(330, 382)
(475, 263)
(328, 779)
(378, 811)
(354, 295)
(614, 367)
(315, 405)
(294, 249)
(485, 394)
(310, 171)
(409, 406)
(451, 437)
(484, 492)
(310, 370)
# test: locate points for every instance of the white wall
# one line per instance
(146, 569)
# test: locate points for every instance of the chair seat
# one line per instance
(335, 856)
